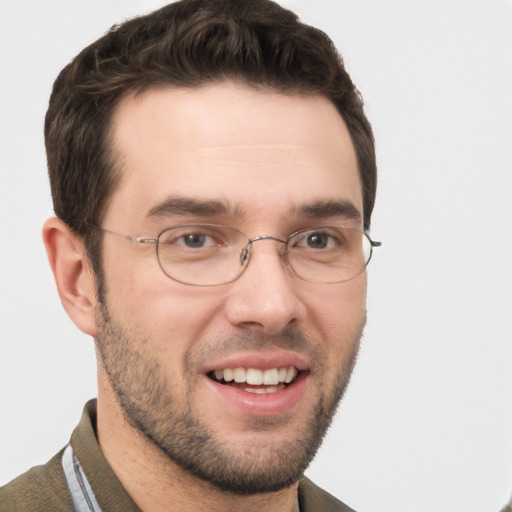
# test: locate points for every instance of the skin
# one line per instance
(265, 156)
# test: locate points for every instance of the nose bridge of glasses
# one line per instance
(247, 250)
(265, 237)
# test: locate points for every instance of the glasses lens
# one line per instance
(202, 254)
(329, 254)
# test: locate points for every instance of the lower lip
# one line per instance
(264, 404)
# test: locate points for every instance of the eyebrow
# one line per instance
(330, 208)
(179, 205)
(176, 205)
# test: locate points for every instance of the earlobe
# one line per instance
(73, 275)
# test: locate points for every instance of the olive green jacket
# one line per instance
(507, 508)
(44, 488)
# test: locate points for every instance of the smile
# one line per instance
(255, 380)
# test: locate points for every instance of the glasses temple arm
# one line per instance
(138, 240)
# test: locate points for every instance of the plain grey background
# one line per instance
(427, 422)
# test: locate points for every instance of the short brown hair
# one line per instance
(185, 44)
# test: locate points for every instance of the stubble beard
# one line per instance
(145, 395)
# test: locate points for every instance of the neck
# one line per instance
(158, 484)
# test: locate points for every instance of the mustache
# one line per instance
(290, 339)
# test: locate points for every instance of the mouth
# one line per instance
(256, 380)
(257, 384)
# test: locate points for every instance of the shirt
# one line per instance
(46, 489)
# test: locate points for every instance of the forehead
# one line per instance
(253, 149)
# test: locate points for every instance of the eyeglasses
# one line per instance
(210, 254)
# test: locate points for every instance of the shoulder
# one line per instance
(314, 499)
(507, 508)
(41, 489)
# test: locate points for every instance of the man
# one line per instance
(213, 177)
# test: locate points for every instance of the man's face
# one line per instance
(265, 164)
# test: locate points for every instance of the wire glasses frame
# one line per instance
(212, 254)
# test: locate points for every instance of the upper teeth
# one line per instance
(257, 377)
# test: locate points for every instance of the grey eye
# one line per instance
(317, 240)
(194, 240)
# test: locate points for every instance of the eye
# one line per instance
(195, 240)
(317, 240)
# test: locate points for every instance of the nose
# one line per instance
(265, 296)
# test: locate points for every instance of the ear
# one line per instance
(74, 278)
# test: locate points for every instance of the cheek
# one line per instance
(339, 313)
(166, 314)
